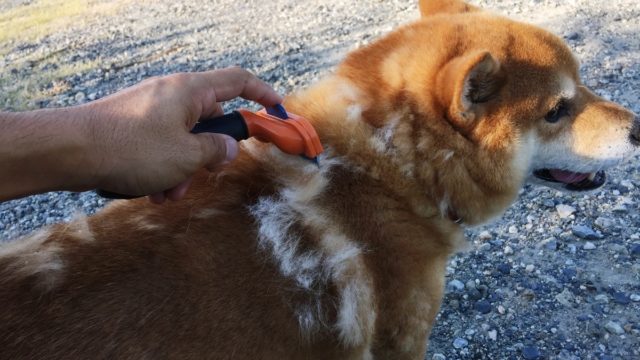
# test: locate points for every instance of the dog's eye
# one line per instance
(558, 112)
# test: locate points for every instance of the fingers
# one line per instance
(179, 191)
(232, 82)
(174, 194)
(217, 149)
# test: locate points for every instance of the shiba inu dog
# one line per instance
(434, 126)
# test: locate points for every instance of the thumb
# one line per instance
(217, 149)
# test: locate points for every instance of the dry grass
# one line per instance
(35, 20)
(42, 17)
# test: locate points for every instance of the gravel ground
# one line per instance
(557, 277)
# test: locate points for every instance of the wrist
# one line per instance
(46, 150)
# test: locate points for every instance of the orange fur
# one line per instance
(274, 258)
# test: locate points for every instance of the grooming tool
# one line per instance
(289, 132)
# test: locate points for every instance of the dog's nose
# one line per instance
(635, 132)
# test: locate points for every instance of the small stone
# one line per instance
(530, 352)
(504, 268)
(565, 298)
(614, 328)
(635, 297)
(470, 285)
(601, 298)
(513, 229)
(484, 247)
(573, 36)
(529, 268)
(564, 211)
(621, 298)
(493, 335)
(635, 250)
(550, 244)
(460, 343)
(508, 250)
(92, 96)
(585, 232)
(603, 223)
(583, 317)
(485, 236)
(620, 209)
(501, 310)
(627, 184)
(482, 306)
(438, 356)
(589, 246)
(455, 285)
(80, 97)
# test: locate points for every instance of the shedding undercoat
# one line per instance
(333, 259)
(32, 256)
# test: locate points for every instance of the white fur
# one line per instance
(144, 223)
(79, 228)
(207, 213)
(354, 113)
(524, 154)
(32, 256)
(334, 259)
(382, 139)
(567, 87)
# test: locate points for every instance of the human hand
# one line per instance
(141, 135)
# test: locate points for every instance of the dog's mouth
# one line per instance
(572, 181)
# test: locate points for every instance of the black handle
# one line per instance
(231, 124)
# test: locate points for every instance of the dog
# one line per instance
(431, 128)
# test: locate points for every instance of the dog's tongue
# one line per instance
(567, 177)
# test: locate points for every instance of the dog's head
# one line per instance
(487, 102)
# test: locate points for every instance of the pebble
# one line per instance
(460, 343)
(621, 298)
(614, 328)
(550, 244)
(438, 356)
(589, 246)
(482, 306)
(565, 298)
(485, 236)
(504, 268)
(530, 352)
(80, 97)
(585, 232)
(508, 250)
(529, 268)
(564, 211)
(455, 285)
(601, 298)
(493, 335)
(635, 250)
(501, 310)
(635, 297)
(604, 223)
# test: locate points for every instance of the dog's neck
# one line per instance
(404, 150)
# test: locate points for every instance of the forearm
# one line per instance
(45, 150)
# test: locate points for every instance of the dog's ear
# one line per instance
(467, 83)
(432, 7)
